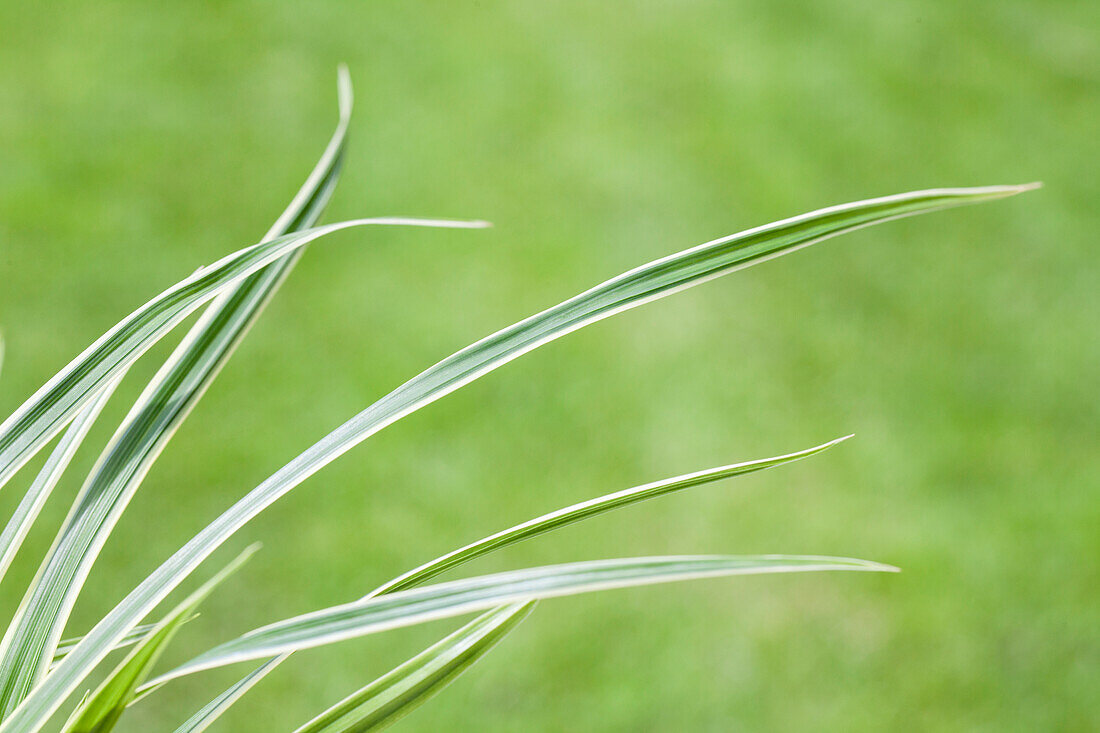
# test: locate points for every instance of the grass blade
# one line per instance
(28, 646)
(21, 521)
(395, 694)
(584, 510)
(641, 285)
(100, 712)
(211, 341)
(459, 597)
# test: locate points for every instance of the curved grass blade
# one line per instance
(584, 510)
(458, 597)
(101, 711)
(49, 409)
(398, 692)
(641, 285)
(20, 522)
(28, 646)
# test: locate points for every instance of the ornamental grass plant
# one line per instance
(53, 677)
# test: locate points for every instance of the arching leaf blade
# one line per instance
(26, 512)
(562, 518)
(213, 710)
(584, 510)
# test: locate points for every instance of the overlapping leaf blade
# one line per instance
(584, 510)
(99, 712)
(638, 286)
(392, 696)
(135, 635)
(22, 519)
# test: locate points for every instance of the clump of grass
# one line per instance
(40, 671)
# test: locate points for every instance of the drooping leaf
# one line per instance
(397, 693)
(641, 285)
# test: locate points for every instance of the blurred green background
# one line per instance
(139, 141)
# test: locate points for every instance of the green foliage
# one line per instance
(39, 672)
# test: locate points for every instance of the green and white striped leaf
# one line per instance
(584, 510)
(459, 597)
(99, 712)
(397, 693)
(641, 285)
(25, 514)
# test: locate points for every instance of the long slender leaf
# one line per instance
(167, 402)
(459, 597)
(641, 285)
(25, 514)
(100, 712)
(584, 510)
(392, 696)
(27, 647)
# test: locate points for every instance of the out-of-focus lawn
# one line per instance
(141, 140)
